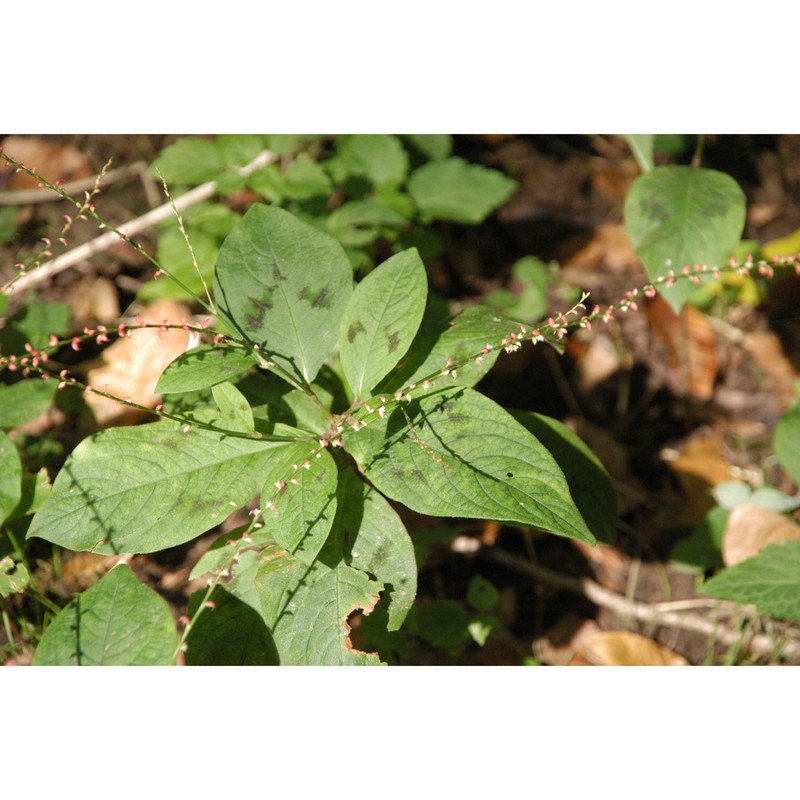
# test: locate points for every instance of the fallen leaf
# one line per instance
(608, 248)
(131, 366)
(626, 649)
(598, 363)
(53, 161)
(699, 466)
(560, 645)
(95, 299)
(750, 528)
(691, 347)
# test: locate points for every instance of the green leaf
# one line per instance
(239, 149)
(482, 628)
(786, 442)
(35, 488)
(33, 324)
(118, 622)
(306, 179)
(8, 229)
(302, 487)
(203, 367)
(455, 453)
(306, 609)
(443, 623)
(529, 303)
(702, 549)
(589, 483)
(23, 402)
(381, 320)
(176, 259)
(641, 145)
(435, 146)
(236, 413)
(680, 216)
(359, 222)
(442, 343)
(372, 538)
(378, 157)
(10, 477)
(285, 286)
(142, 489)
(229, 634)
(770, 580)
(458, 191)
(189, 160)
(13, 577)
(481, 594)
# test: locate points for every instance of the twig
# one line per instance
(26, 197)
(759, 644)
(105, 240)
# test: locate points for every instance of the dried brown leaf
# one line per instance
(53, 161)
(609, 247)
(691, 347)
(751, 527)
(130, 368)
(626, 649)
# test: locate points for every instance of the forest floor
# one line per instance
(672, 405)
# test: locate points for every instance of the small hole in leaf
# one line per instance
(510, 474)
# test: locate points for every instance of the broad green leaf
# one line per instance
(680, 216)
(118, 622)
(589, 484)
(35, 488)
(228, 634)
(770, 580)
(481, 594)
(302, 488)
(269, 182)
(202, 367)
(455, 453)
(285, 286)
(142, 489)
(32, 324)
(786, 442)
(10, 477)
(214, 219)
(702, 549)
(305, 179)
(458, 191)
(239, 149)
(306, 609)
(189, 160)
(382, 317)
(236, 413)
(23, 402)
(13, 577)
(435, 146)
(443, 623)
(378, 157)
(529, 302)
(176, 259)
(359, 222)
(442, 344)
(372, 538)
(641, 145)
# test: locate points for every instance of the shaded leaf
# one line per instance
(786, 442)
(10, 477)
(202, 367)
(458, 191)
(435, 146)
(235, 411)
(702, 549)
(770, 580)
(142, 489)
(382, 317)
(119, 621)
(443, 623)
(189, 160)
(307, 607)
(229, 634)
(359, 222)
(681, 216)
(303, 490)
(371, 537)
(456, 453)
(285, 286)
(481, 594)
(23, 402)
(589, 483)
